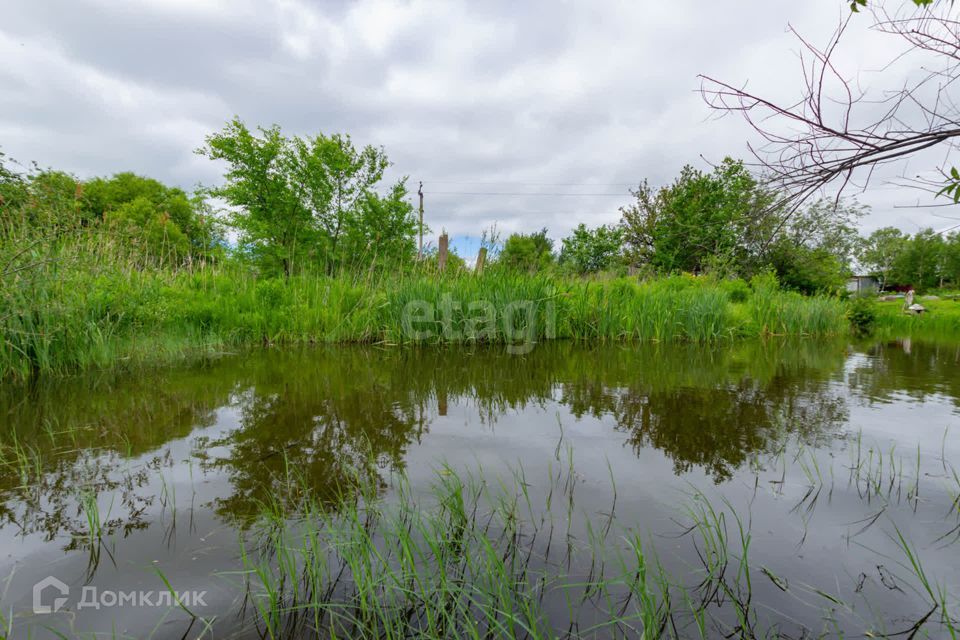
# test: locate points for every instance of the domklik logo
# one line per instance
(38, 589)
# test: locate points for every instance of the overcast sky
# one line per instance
(482, 97)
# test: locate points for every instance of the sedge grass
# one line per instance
(90, 302)
(473, 557)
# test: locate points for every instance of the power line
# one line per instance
(520, 193)
(499, 211)
(537, 184)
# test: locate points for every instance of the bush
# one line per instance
(592, 250)
(765, 282)
(736, 290)
(527, 252)
(862, 313)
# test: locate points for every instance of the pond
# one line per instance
(803, 487)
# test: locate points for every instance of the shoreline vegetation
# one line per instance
(75, 310)
(88, 301)
(477, 557)
(302, 243)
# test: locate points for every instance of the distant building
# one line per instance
(862, 284)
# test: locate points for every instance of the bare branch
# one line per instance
(837, 134)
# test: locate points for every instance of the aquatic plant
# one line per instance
(473, 557)
(86, 301)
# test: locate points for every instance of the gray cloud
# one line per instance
(494, 92)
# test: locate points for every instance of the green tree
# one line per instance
(308, 200)
(880, 250)
(951, 258)
(528, 252)
(699, 221)
(193, 218)
(729, 222)
(52, 199)
(589, 251)
(810, 250)
(383, 232)
(334, 179)
(102, 195)
(920, 264)
(805, 269)
(13, 188)
(275, 225)
(155, 232)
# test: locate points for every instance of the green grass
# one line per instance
(465, 559)
(942, 319)
(67, 306)
(476, 557)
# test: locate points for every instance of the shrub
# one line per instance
(736, 290)
(765, 282)
(862, 313)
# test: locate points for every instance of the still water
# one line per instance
(143, 482)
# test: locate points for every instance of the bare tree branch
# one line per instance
(837, 134)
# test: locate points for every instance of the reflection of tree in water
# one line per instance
(49, 504)
(715, 408)
(719, 429)
(334, 417)
(908, 367)
(322, 426)
(324, 415)
(64, 438)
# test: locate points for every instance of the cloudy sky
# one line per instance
(480, 100)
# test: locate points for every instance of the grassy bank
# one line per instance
(67, 307)
(941, 321)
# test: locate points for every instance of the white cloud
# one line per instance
(493, 92)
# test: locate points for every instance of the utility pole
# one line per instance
(442, 252)
(481, 260)
(420, 242)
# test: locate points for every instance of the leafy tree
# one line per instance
(383, 231)
(811, 249)
(829, 225)
(527, 252)
(880, 250)
(157, 234)
(920, 264)
(589, 251)
(727, 221)
(102, 195)
(805, 269)
(41, 197)
(52, 199)
(923, 261)
(103, 199)
(951, 258)
(13, 186)
(275, 225)
(698, 221)
(333, 178)
(309, 200)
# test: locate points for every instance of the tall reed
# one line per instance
(82, 299)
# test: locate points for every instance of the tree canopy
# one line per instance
(310, 200)
(527, 251)
(592, 250)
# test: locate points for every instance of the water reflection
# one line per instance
(907, 368)
(330, 414)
